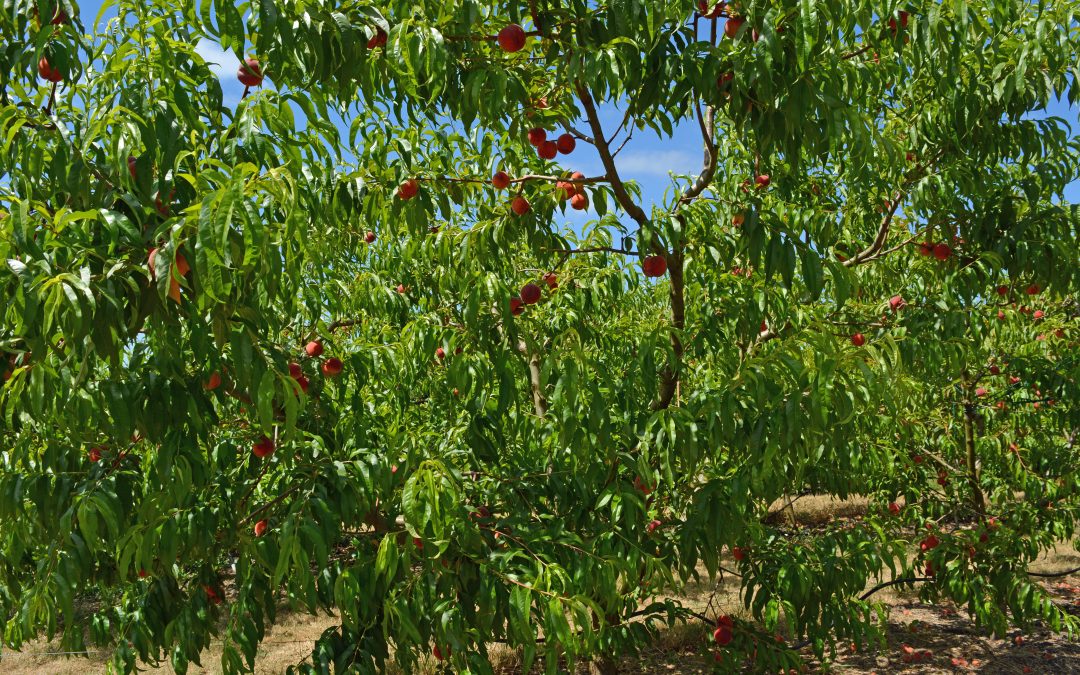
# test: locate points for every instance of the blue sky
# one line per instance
(646, 159)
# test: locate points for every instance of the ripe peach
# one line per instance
(47, 72)
(512, 38)
(537, 136)
(332, 367)
(732, 26)
(250, 73)
(501, 180)
(408, 189)
(654, 266)
(377, 40)
(548, 150)
(530, 293)
(264, 447)
(213, 383)
(520, 205)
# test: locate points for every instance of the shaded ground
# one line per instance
(922, 639)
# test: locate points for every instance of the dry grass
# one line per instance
(816, 510)
(946, 637)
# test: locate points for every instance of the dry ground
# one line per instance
(922, 639)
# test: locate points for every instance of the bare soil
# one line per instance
(921, 639)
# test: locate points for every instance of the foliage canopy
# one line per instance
(869, 287)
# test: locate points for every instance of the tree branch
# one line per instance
(1051, 575)
(895, 582)
(882, 235)
(519, 179)
(625, 119)
(596, 249)
(617, 185)
(535, 380)
(342, 323)
(669, 378)
(708, 169)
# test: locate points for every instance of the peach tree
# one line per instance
(338, 346)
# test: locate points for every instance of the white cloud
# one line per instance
(222, 63)
(658, 162)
